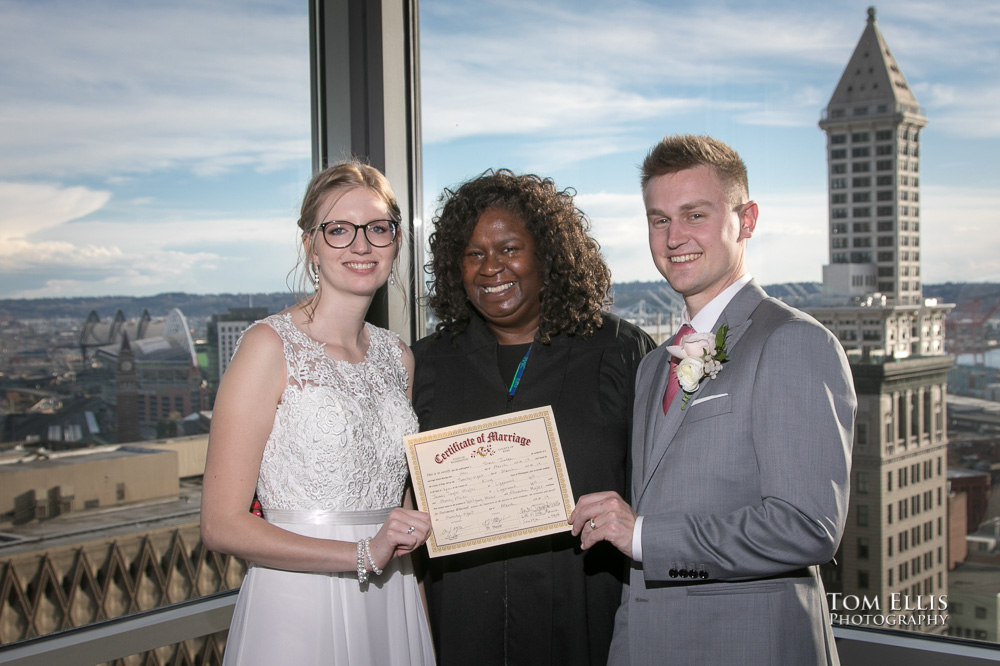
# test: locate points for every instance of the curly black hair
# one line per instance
(576, 283)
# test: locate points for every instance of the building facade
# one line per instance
(873, 124)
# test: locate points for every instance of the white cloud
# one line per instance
(133, 87)
(26, 208)
(959, 234)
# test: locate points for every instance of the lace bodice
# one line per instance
(336, 443)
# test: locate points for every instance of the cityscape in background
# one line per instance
(105, 405)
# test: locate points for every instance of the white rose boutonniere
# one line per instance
(701, 355)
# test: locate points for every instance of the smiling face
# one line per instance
(501, 276)
(697, 239)
(360, 268)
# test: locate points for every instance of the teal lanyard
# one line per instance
(517, 375)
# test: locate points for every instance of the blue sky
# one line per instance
(163, 146)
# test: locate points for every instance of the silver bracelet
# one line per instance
(362, 573)
(368, 552)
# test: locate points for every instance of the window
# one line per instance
(860, 137)
(862, 513)
(862, 548)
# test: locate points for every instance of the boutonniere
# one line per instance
(701, 355)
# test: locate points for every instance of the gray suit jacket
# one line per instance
(743, 492)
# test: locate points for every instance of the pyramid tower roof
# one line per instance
(873, 75)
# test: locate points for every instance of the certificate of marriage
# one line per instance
(490, 482)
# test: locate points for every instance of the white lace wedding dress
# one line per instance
(333, 468)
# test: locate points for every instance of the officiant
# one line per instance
(521, 292)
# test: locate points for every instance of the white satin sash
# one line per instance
(324, 517)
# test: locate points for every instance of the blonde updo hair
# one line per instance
(338, 178)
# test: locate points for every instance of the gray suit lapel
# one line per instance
(661, 428)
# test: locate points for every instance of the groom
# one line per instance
(741, 461)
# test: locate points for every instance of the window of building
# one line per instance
(862, 513)
(862, 548)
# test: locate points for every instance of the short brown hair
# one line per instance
(678, 152)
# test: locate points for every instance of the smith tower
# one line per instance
(872, 125)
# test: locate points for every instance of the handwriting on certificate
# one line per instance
(492, 481)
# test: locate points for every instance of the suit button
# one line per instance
(672, 573)
(703, 574)
(683, 573)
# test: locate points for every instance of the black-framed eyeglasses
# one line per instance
(378, 233)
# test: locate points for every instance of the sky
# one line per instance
(150, 147)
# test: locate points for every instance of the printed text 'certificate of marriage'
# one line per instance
(492, 481)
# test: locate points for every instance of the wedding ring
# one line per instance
(410, 531)
(592, 525)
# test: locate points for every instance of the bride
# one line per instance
(311, 414)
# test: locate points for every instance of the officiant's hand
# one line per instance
(404, 531)
(604, 517)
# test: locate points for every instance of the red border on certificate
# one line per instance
(491, 481)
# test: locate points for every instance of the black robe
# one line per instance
(544, 600)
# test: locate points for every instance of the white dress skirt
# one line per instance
(332, 463)
(285, 617)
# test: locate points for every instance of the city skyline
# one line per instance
(152, 148)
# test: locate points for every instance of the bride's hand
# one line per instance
(403, 532)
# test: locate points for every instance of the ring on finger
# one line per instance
(410, 531)
(592, 525)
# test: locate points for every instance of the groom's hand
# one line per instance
(604, 517)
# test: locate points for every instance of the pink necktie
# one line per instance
(673, 385)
